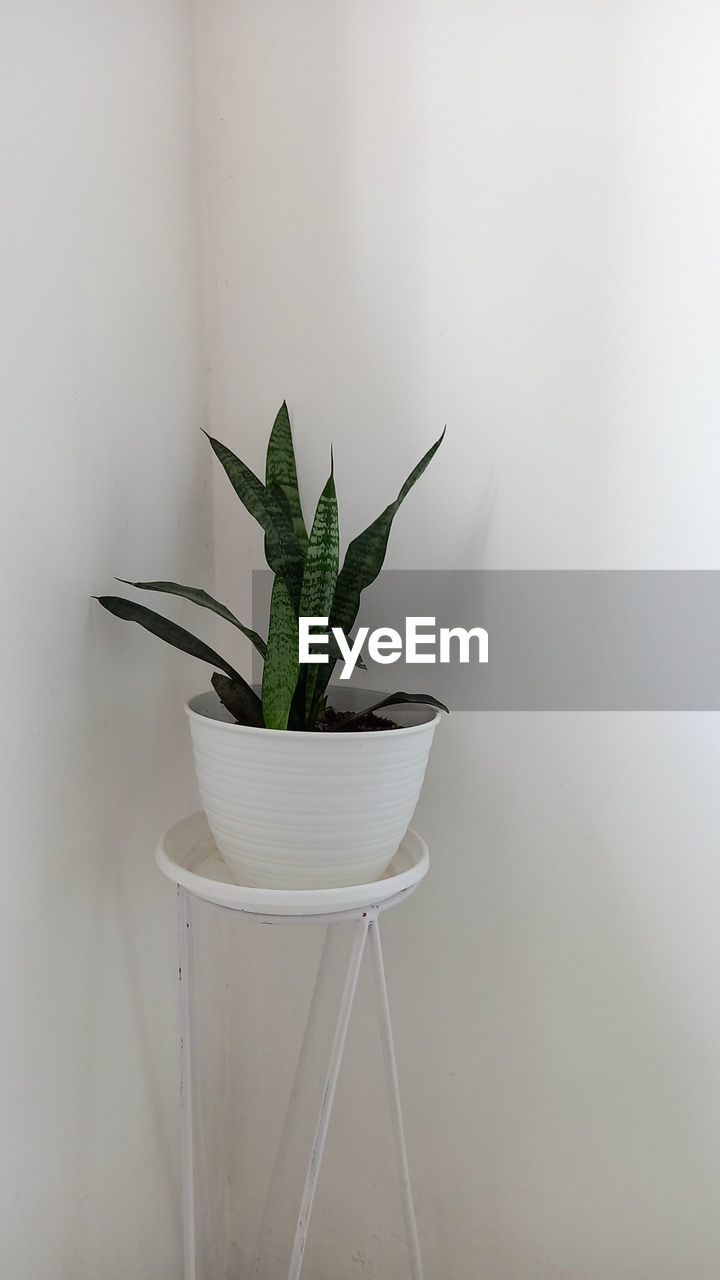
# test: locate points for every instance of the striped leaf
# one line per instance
(205, 601)
(280, 469)
(363, 561)
(391, 700)
(241, 701)
(366, 553)
(282, 551)
(320, 576)
(168, 631)
(282, 666)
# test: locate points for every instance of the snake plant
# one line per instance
(308, 582)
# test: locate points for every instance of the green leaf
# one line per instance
(166, 630)
(277, 495)
(392, 700)
(297, 718)
(366, 553)
(200, 597)
(239, 699)
(321, 566)
(282, 550)
(363, 562)
(282, 666)
(280, 469)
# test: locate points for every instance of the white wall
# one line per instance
(502, 216)
(103, 473)
(499, 216)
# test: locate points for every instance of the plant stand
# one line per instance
(187, 855)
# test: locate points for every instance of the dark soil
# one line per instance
(369, 723)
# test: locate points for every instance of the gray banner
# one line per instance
(557, 640)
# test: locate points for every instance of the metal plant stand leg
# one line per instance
(328, 1094)
(326, 966)
(393, 1088)
(186, 1087)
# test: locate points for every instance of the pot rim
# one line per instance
(200, 716)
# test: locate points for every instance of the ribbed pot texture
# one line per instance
(308, 810)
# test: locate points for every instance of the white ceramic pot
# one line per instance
(309, 810)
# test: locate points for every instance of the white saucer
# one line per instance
(187, 855)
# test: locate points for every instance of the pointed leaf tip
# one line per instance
(366, 553)
(166, 630)
(199, 597)
(281, 472)
(283, 551)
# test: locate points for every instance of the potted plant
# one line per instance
(299, 791)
